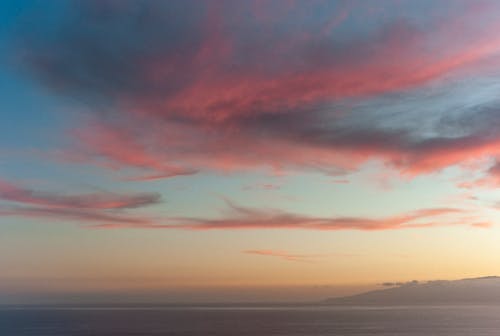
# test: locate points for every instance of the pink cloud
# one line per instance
(222, 95)
(482, 225)
(263, 186)
(490, 179)
(285, 255)
(102, 207)
(116, 148)
(241, 218)
(74, 215)
(341, 181)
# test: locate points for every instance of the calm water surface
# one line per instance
(251, 321)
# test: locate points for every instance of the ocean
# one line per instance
(250, 321)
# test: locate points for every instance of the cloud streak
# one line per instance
(285, 255)
(242, 218)
(103, 207)
(73, 215)
(100, 201)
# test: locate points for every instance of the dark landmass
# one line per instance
(476, 291)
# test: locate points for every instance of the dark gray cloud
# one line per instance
(102, 200)
(247, 89)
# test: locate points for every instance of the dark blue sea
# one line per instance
(250, 321)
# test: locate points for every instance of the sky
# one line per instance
(245, 150)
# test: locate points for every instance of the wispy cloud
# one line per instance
(341, 181)
(243, 218)
(285, 255)
(482, 225)
(263, 186)
(489, 180)
(102, 207)
(74, 215)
